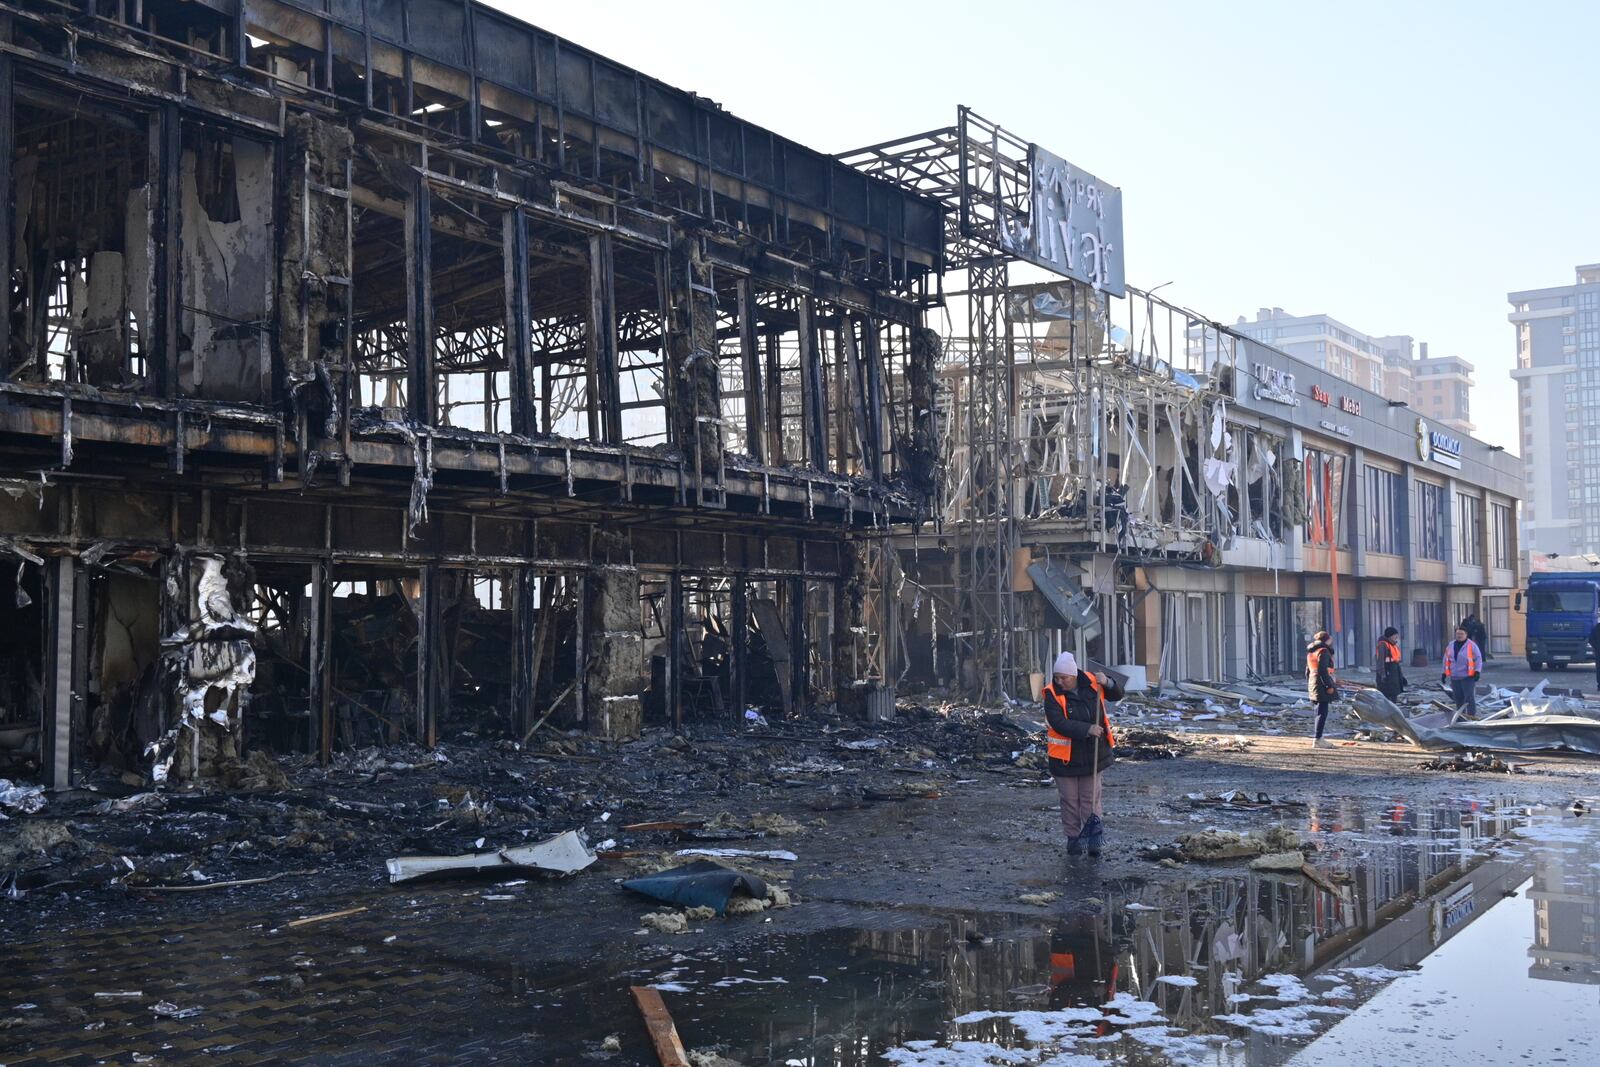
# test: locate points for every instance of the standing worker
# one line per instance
(1594, 646)
(1390, 679)
(1463, 659)
(1320, 682)
(1080, 745)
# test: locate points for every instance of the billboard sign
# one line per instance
(1073, 225)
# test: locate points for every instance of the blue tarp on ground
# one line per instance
(702, 884)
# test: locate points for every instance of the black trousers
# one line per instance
(1322, 714)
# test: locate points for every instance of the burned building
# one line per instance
(377, 369)
(1131, 480)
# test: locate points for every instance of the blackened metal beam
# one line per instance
(675, 650)
(166, 160)
(319, 689)
(605, 394)
(429, 627)
(755, 432)
(519, 324)
(799, 644)
(739, 646)
(61, 574)
(419, 303)
(7, 154)
(525, 633)
(814, 401)
(872, 353)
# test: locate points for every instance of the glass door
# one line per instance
(1306, 617)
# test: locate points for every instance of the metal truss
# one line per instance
(979, 172)
(984, 598)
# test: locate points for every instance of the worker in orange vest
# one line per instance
(1390, 678)
(1463, 660)
(1080, 744)
(1321, 685)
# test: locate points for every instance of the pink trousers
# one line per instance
(1080, 798)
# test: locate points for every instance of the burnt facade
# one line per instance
(379, 369)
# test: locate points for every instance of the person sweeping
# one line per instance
(1081, 747)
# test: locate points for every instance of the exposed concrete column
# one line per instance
(1408, 504)
(614, 639)
(1452, 532)
(922, 451)
(315, 255)
(1359, 534)
(696, 392)
(1236, 626)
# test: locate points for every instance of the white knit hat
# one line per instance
(1066, 664)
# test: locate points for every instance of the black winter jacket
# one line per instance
(1320, 685)
(1083, 711)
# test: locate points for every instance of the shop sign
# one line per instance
(1459, 906)
(1274, 385)
(1439, 447)
(1073, 226)
(1320, 395)
(1349, 405)
(1342, 431)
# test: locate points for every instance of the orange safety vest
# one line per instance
(1469, 646)
(1060, 747)
(1312, 665)
(1388, 652)
(1063, 968)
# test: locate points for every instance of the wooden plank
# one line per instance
(658, 1022)
(309, 919)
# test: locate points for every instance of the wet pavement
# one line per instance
(1220, 965)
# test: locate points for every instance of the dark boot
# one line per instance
(1074, 846)
(1093, 831)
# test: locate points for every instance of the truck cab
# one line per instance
(1562, 610)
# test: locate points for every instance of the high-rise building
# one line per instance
(1441, 389)
(1379, 364)
(1558, 407)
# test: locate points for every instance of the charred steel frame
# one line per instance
(461, 109)
(979, 172)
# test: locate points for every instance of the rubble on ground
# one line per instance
(1221, 846)
(478, 795)
(1471, 761)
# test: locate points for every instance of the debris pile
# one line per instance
(1221, 846)
(1471, 761)
(377, 811)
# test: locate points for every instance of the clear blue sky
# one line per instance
(1400, 166)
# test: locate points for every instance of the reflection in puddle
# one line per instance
(1240, 968)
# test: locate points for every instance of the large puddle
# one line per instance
(1439, 937)
(1470, 927)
